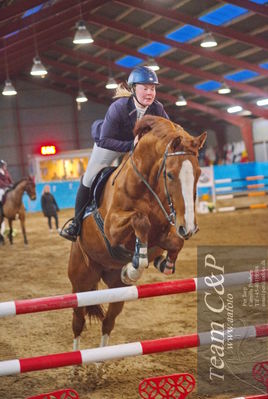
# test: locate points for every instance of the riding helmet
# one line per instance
(142, 75)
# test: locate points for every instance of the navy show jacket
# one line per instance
(115, 132)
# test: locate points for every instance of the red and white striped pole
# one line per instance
(95, 355)
(128, 293)
(264, 396)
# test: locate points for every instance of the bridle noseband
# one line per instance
(171, 217)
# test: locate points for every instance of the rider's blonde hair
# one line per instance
(122, 91)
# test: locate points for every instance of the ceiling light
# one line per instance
(262, 102)
(111, 84)
(38, 68)
(181, 101)
(224, 89)
(208, 41)
(152, 64)
(9, 89)
(236, 108)
(82, 35)
(81, 97)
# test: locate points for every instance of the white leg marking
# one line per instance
(186, 177)
(76, 344)
(104, 340)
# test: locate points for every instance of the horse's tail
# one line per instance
(95, 312)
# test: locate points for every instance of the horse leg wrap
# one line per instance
(164, 265)
(140, 257)
(129, 274)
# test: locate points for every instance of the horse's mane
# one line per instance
(163, 130)
(19, 181)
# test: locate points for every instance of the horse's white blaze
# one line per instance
(186, 177)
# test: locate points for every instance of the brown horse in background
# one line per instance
(13, 205)
(148, 207)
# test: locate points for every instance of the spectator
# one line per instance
(50, 207)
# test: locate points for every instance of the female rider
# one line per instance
(113, 136)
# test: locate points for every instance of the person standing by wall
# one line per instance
(50, 207)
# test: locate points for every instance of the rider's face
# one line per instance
(145, 94)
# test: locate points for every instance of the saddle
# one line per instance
(119, 253)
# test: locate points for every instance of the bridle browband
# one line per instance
(171, 217)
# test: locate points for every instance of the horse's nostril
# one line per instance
(182, 231)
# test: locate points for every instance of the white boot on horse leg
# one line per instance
(165, 265)
(133, 271)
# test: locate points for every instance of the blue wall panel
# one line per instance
(65, 192)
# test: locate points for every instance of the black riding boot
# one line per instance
(82, 199)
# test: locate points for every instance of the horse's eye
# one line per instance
(170, 175)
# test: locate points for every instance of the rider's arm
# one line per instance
(113, 132)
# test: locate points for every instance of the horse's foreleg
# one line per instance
(173, 244)
(133, 271)
(22, 225)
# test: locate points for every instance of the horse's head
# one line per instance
(178, 170)
(30, 188)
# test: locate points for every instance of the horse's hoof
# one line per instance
(164, 265)
(125, 278)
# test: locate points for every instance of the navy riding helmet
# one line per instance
(142, 75)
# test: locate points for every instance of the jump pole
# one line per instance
(264, 396)
(247, 178)
(128, 293)
(239, 208)
(95, 355)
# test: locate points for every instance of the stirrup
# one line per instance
(65, 234)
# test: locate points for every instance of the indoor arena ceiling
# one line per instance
(127, 33)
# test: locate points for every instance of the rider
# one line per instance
(5, 182)
(113, 136)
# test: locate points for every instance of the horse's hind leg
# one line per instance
(83, 277)
(2, 229)
(113, 280)
(10, 234)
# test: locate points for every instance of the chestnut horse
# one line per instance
(148, 207)
(13, 205)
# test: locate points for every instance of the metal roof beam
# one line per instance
(18, 8)
(249, 5)
(51, 12)
(218, 113)
(127, 28)
(178, 16)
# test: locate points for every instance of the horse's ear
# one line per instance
(176, 144)
(144, 125)
(201, 140)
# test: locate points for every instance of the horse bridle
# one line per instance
(171, 217)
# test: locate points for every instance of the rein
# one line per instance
(171, 217)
